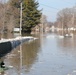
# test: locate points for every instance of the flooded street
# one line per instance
(47, 55)
(37, 37)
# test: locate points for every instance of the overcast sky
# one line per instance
(51, 7)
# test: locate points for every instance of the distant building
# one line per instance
(52, 28)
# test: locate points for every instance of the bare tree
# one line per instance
(67, 17)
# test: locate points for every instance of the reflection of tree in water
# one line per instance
(29, 55)
(67, 45)
(30, 52)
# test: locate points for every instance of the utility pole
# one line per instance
(42, 25)
(73, 20)
(20, 17)
(20, 35)
(41, 29)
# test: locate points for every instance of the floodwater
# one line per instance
(47, 55)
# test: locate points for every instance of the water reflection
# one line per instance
(30, 52)
(68, 45)
(44, 56)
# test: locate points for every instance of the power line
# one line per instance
(54, 7)
(49, 11)
(49, 6)
(67, 2)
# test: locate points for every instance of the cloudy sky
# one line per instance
(51, 7)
